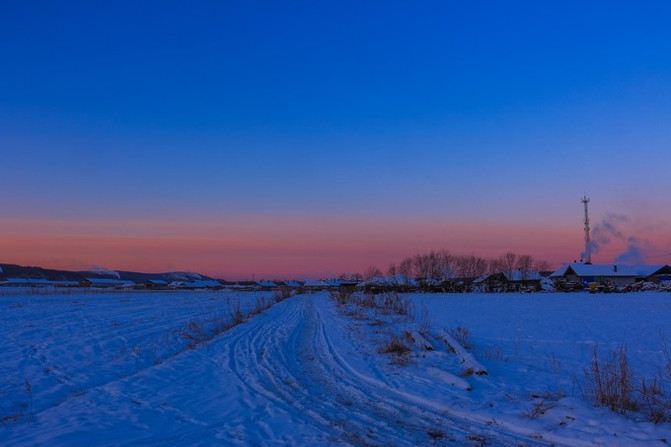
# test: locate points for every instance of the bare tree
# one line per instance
(542, 266)
(433, 265)
(372, 272)
(525, 265)
(405, 267)
(442, 265)
(446, 265)
(504, 263)
(494, 265)
(420, 266)
(470, 266)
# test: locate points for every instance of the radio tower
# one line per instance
(588, 258)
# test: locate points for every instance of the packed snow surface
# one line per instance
(162, 368)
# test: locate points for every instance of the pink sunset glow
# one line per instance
(276, 247)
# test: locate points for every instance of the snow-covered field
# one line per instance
(131, 368)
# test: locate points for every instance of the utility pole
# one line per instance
(588, 260)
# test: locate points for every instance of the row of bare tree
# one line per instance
(442, 265)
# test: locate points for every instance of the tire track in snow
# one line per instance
(291, 361)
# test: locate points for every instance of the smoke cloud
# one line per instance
(616, 229)
(634, 254)
(104, 271)
(604, 231)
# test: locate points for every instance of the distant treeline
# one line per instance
(442, 265)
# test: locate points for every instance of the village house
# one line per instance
(612, 275)
(155, 284)
(210, 284)
(317, 285)
(265, 284)
(509, 281)
(292, 284)
(106, 282)
(29, 282)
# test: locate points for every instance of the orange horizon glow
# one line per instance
(271, 246)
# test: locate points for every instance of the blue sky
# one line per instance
(442, 111)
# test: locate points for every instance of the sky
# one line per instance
(308, 139)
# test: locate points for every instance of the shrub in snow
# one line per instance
(462, 335)
(396, 346)
(610, 381)
(386, 303)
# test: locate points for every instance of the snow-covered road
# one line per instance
(294, 361)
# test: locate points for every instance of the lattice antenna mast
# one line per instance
(588, 260)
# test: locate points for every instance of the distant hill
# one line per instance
(19, 271)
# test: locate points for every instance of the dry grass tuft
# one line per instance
(393, 302)
(610, 382)
(462, 335)
(396, 346)
(237, 317)
(543, 403)
(194, 333)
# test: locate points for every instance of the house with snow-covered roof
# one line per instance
(31, 282)
(203, 284)
(508, 281)
(106, 282)
(155, 284)
(267, 284)
(379, 284)
(656, 273)
(315, 285)
(292, 284)
(611, 274)
(246, 285)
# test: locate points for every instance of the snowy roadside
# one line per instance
(522, 358)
